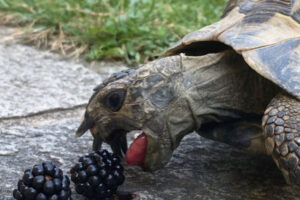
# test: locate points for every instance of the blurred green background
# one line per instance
(133, 31)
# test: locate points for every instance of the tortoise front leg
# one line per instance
(281, 130)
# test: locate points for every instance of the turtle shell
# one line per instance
(265, 32)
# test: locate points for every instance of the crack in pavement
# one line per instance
(50, 111)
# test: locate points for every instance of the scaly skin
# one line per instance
(281, 125)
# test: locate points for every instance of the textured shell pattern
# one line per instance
(265, 32)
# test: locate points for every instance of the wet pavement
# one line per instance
(42, 102)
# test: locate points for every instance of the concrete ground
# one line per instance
(42, 102)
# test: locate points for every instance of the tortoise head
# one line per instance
(134, 100)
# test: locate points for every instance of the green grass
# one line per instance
(131, 30)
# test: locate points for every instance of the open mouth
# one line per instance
(117, 139)
(135, 154)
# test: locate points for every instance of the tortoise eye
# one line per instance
(115, 99)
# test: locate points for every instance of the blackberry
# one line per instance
(97, 175)
(43, 182)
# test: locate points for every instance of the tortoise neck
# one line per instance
(215, 88)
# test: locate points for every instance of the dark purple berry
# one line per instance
(30, 193)
(38, 182)
(105, 154)
(119, 177)
(38, 170)
(74, 177)
(17, 195)
(43, 182)
(65, 182)
(57, 184)
(94, 155)
(101, 190)
(20, 184)
(88, 189)
(49, 187)
(87, 162)
(22, 188)
(103, 173)
(41, 196)
(28, 177)
(110, 180)
(78, 166)
(49, 168)
(57, 173)
(109, 192)
(83, 157)
(80, 188)
(92, 170)
(109, 164)
(115, 159)
(82, 176)
(63, 195)
(97, 175)
(53, 197)
(94, 180)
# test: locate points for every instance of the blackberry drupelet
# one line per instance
(43, 182)
(97, 175)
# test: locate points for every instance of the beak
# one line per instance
(116, 139)
(84, 126)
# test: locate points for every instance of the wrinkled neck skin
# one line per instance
(214, 88)
(179, 94)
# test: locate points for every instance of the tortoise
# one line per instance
(236, 81)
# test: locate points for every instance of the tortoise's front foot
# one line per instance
(281, 125)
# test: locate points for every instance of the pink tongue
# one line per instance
(136, 153)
